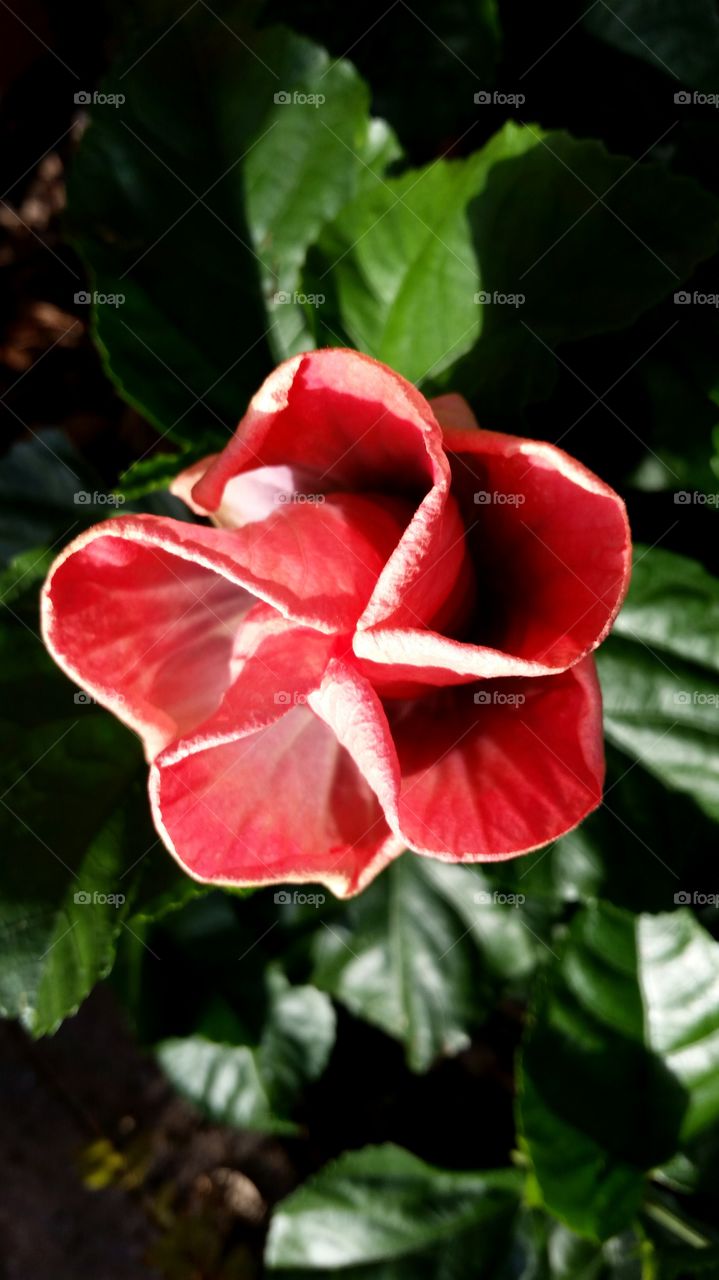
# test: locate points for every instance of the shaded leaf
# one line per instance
(256, 1086)
(619, 1066)
(660, 675)
(385, 1207)
(420, 954)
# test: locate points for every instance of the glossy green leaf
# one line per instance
(456, 45)
(644, 846)
(420, 954)
(682, 1245)
(680, 379)
(196, 202)
(75, 825)
(385, 1207)
(73, 819)
(570, 1257)
(464, 257)
(256, 1086)
(660, 675)
(619, 1066)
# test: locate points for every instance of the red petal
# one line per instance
(554, 560)
(185, 481)
(249, 497)
(139, 615)
(286, 803)
(337, 418)
(552, 565)
(275, 666)
(428, 581)
(315, 563)
(346, 419)
(494, 779)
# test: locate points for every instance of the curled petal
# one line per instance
(275, 666)
(184, 482)
(428, 581)
(324, 823)
(249, 497)
(552, 542)
(550, 548)
(495, 770)
(146, 622)
(125, 600)
(345, 419)
(337, 419)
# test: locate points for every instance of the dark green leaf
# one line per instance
(620, 1062)
(643, 846)
(256, 1086)
(456, 45)
(660, 675)
(73, 818)
(678, 37)
(46, 494)
(420, 953)
(199, 197)
(385, 1207)
(408, 258)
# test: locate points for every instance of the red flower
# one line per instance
(384, 642)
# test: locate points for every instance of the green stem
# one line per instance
(676, 1225)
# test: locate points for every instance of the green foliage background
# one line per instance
(587, 184)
